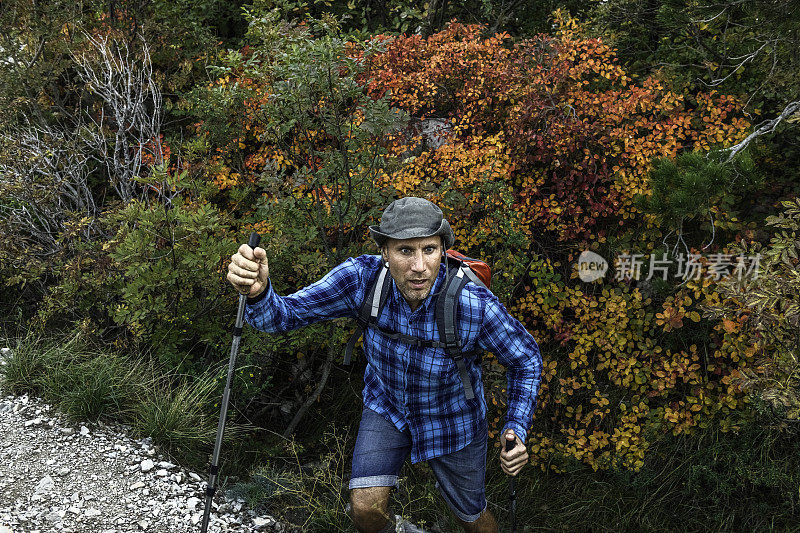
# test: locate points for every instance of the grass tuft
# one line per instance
(310, 496)
(183, 414)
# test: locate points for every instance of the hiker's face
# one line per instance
(414, 265)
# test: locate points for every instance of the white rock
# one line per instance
(166, 464)
(147, 465)
(143, 524)
(137, 485)
(263, 521)
(54, 516)
(92, 512)
(191, 503)
(194, 476)
(406, 526)
(44, 486)
(162, 473)
(74, 510)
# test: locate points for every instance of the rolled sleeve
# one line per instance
(330, 297)
(518, 351)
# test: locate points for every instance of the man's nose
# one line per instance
(418, 263)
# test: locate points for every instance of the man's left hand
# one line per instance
(514, 459)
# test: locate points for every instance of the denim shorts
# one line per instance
(460, 476)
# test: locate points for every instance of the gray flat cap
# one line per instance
(410, 218)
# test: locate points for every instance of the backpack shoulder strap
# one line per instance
(473, 277)
(446, 323)
(371, 307)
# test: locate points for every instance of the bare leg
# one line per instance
(484, 524)
(370, 508)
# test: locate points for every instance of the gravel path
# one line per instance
(65, 477)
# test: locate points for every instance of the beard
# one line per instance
(415, 294)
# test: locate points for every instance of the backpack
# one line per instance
(461, 270)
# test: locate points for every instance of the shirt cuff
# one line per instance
(519, 431)
(252, 301)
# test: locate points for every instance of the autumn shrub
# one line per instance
(544, 147)
(766, 309)
(302, 163)
(737, 480)
(548, 148)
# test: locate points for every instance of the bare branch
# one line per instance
(130, 112)
(742, 60)
(764, 128)
(45, 178)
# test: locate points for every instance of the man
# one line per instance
(414, 400)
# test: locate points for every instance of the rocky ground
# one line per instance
(65, 477)
(93, 478)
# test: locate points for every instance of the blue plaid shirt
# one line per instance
(418, 387)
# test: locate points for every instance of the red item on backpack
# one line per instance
(480, 268)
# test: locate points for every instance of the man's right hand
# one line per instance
(248, 270)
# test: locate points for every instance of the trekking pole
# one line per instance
(255, 238)
(512, 490)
